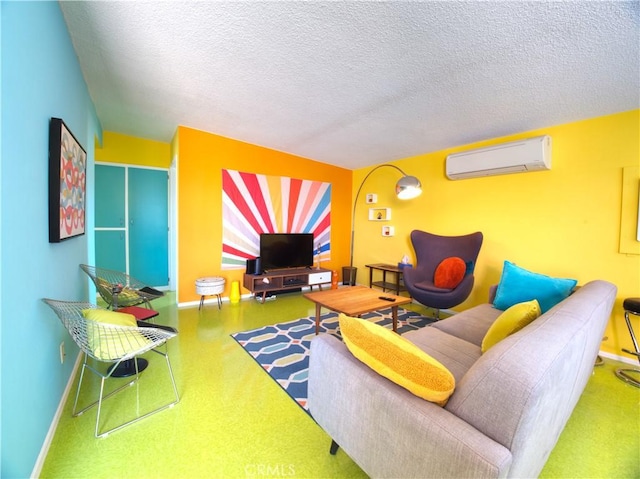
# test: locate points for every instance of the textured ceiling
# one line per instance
(355, 83)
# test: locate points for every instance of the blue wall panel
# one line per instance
(41, 78)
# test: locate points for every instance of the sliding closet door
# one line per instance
(149, 225)
(110, 217)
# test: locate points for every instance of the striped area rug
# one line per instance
(283, 349)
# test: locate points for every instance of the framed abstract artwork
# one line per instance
(253, 204)
(67, 183)
(630, 215)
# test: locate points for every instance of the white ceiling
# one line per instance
(355, 83)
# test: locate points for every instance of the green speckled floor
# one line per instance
(235, 421)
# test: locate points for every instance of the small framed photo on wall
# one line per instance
(379, 214)
(67, 183)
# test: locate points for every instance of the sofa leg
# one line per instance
(334, 447)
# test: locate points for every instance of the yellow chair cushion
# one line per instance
(110, 343)
(512, 320)
(397, 359)
(110, 317)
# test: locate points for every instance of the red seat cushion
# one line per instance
(449, 273)
(141, 314)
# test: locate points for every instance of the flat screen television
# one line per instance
(286, 250)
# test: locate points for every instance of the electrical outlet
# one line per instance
(62, 353)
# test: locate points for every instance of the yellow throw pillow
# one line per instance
(397, 359)
(104, 288)
(127, 295)
(510, 321)
(110, 343)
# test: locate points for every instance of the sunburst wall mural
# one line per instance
(253, 204)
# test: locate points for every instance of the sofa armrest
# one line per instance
(388, 431)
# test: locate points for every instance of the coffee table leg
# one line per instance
(317, 319)
(394, 315)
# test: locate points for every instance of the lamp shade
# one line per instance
(408, 187)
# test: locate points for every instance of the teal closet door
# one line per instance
(149, 226)
(111, 250)
(110, 217)
(110, 199)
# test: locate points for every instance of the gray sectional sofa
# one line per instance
(508, 409)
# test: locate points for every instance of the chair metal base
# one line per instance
(631, 306)
(627, 376)
(128, 368)
(102, 396)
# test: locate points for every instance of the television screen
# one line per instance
(286, 250)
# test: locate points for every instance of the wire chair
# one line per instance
(109, 343)
(118, 289)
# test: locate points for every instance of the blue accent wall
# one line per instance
(41, 78)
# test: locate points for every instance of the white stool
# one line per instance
(209, 286)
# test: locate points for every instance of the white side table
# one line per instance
(208, 286)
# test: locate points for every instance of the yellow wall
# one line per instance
(118, 148)
(565, 222)
(201, 159)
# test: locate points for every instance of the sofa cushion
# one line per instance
(397, 359)
(511, 321)
(518, 285)
(449, 273)
(455, 354)
(471, 324)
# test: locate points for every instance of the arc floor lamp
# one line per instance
(407, 187)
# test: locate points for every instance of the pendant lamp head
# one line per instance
(408, 187)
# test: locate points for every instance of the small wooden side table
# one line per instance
(395, 286)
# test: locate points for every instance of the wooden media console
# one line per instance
(286, 279)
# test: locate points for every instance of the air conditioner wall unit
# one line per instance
(531, 154)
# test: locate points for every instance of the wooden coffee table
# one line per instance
(355, 301)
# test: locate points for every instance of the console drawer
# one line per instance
(320, 277)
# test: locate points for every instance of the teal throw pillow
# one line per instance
(518, 285)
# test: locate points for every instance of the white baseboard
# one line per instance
(44, 450)
(211, 300)
(622, 359)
